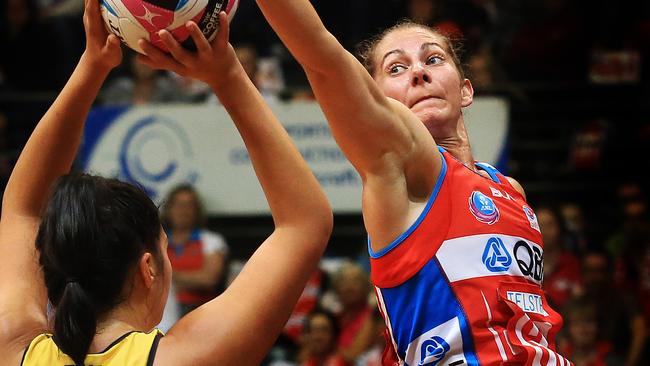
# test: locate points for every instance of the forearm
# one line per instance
(53, 145)
(293, 193)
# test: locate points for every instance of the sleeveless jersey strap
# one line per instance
(492, 171)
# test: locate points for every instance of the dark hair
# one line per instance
(169, 200)
(93, 232)
(366, 49)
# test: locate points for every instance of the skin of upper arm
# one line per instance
(252, 310)
(22, 293)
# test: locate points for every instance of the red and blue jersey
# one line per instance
(462, 286)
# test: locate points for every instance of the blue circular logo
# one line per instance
(156, 153)
(483, 208)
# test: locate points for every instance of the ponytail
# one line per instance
(75, 322)
(92, 234)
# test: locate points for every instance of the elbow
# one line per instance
(321, 225)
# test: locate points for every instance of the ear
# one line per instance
(467, 93)
(147, 269)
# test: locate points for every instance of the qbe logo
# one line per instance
(495, 256)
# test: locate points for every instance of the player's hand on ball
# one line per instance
(103, 50)
(207, 64)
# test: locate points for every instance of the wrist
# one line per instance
(233, 75)
(94, 65)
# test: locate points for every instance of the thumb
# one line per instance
(112, 43)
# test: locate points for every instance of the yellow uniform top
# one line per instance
(131, 349)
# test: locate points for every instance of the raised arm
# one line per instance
(388, 144)
(375, 133)
(48, 154)
(239, 327)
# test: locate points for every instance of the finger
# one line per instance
(202, 44)
(94, 17)
(112, 42)
(158, 59)
(224, 31)
(146, 60)
(178, 52)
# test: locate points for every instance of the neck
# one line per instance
(456, 142)
(125, 318)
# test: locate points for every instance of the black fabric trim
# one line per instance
(154, 348)
(25, 353)
(115, 342)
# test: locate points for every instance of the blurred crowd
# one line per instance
(503, 42)
(597, 256)
(600, 285)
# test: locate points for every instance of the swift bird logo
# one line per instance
(433, 351)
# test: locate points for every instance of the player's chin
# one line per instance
(431, 114)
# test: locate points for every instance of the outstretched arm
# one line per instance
(388, 145)
(374, 132)
(239, 327)
(48, 154)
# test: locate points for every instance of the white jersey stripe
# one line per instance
(497, 340)
(382, 306)
(485, 255)
(518, 330)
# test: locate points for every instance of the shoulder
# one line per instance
(518, 187)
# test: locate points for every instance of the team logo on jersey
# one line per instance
(443, 344)
(433, 350)
(495, 256)
(532, 218)
(483, 208)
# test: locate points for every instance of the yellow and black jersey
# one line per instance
(131, 349)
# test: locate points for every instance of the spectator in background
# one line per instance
(620, 320)
(264, 72)
(352, 287)
(321, 333)
(287, 345)
(576, 226)
(141, 85)
(561, 267)
(582, 344)
(198, 256)
(372, 356)
(630, 243)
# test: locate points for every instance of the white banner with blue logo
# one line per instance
(164, 145)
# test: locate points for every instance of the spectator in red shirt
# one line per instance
(562, 278)
(583, 345)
